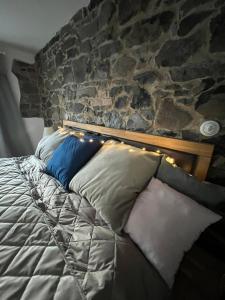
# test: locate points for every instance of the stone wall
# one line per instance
(156, 66)
(30, 104)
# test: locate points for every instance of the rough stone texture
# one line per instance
(214, 109)
(138, 123)
(30, 104)
(172, 117)
(188, 23)
(141, 99)
(217, 27)
(193, 4)
(127, 9)
(211, 104)
(153, 66)
(146, 77)
(147, 29)
(177, 52)
(124, 66)
(214, 68)
(121, 102)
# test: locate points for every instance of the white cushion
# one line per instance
(164, 224)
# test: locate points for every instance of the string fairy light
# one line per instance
(82, 139)
(170, 160)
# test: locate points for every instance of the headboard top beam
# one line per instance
(202, 151)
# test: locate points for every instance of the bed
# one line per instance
(55, 245)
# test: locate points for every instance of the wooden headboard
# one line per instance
(193, 157)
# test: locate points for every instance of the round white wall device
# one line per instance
(209, 128)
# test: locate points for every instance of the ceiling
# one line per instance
(30, 24)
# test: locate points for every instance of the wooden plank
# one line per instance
(201, 167)
(200, 149)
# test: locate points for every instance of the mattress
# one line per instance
(54, 245)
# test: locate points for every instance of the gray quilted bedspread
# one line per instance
(54, 245)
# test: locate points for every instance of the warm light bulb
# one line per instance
(102, 142)
(158, 151)
(81, 133)
(170, 160)
(143, 149)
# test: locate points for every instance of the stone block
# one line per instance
(192, 4)
(59, 57)
(141, 99)
(113, 119)
(214, 108)
(188, 23)
(176, 52)
(67, 75)
(146, 77)
(172, 117)
(85, 47)
(124, 66)
(116, 90)
(217, 28)
(80, 67)
(137, 123)
(70, 42)
(127, 9)
(110, 48)
(87, 92)
(79, 15)
(185, 101)
(78, 107)
(198, 70)
(107, 10)
(94, 3)
(72, 53)
(102, 70)
(147, 30)
(89, 30)
(121, 102)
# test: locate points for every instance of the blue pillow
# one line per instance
(71, 156)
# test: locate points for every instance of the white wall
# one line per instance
(34, 126)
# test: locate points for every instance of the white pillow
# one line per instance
(164, 224)
(48, 144)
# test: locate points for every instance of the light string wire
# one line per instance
(81, 135)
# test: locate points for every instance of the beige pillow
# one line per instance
(113, 178)
(48, 144)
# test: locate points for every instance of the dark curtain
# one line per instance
(14, 140)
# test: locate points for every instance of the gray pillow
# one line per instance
(48, 144)
(206, 193)
(113, 178)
